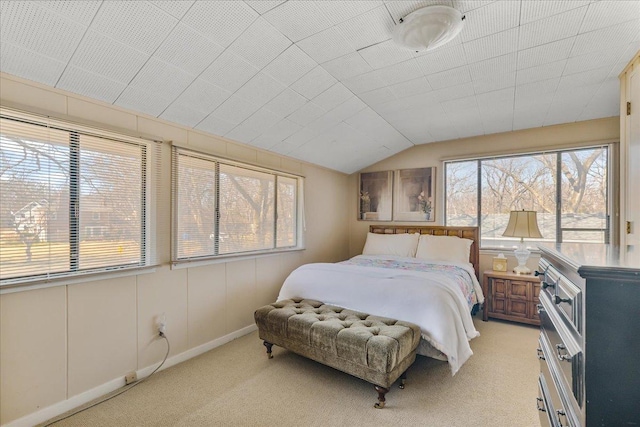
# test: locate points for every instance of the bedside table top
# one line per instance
(510, 275)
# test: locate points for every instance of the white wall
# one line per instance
(65, 344)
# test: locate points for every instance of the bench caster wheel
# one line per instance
(403, 379)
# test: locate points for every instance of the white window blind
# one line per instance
(195, 206)
(287, 213)
(225, 208)
(72, 201)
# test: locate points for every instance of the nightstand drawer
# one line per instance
(519, 290)
(499, 305)
(518, 308)
(533, 311)
(499, 288)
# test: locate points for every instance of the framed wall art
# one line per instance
(415, 194)
(375, 196)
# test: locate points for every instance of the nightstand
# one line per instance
(511, 296)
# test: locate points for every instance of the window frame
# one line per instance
(608, 232)
(216, 256)
(149, 169)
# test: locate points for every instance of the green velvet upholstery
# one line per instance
(376, 349)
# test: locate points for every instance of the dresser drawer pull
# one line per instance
(540, 354)
(539, 308)
(558, 300)
(546, 285)
(561, 413)
(559, 349)
(541, 408)
(544, 273)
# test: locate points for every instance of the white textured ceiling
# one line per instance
(321, 81)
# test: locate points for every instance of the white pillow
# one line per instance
(444, 248)
(391, 244)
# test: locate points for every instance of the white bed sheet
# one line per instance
(433, 301)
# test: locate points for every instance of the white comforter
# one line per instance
(431, 301)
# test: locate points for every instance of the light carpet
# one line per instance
(236, 385)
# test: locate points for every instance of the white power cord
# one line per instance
(161, 333)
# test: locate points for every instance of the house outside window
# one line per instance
(57, 182)
(569, 189)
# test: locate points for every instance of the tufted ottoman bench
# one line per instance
(375, 349)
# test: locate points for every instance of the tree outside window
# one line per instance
(567, 188)
(69, 201)
(224, 208)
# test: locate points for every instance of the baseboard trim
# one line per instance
(196, 351)
(80, 399)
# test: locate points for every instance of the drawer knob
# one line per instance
(561, 356)
(539, 401)
(540, 354)
(558, 300)
(544, 273)
(546, 285)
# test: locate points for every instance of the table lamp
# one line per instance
(522, 224)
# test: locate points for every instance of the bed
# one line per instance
(427, 275)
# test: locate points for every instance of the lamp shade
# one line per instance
(428, 28)
(522, 224)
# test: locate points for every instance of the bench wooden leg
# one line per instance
(381, 400)
(403, 379)
(268, 345)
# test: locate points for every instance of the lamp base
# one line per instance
(522, 255)
(522, 269)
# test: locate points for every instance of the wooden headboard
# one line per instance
(470, 233)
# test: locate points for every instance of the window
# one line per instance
(72, 200)
(227, 208)
(568, 189)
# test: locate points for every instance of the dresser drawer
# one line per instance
(561, 407)
(547, 386)
(564, 357)
(566, 297)
(543, 404)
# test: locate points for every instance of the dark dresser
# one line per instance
(589, 346)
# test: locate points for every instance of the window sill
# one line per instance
(505, 251)
(42, 283)
(230, 258)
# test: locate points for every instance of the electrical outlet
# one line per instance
(162, 324)
(131, 377)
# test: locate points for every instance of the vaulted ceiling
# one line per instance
(322, 81)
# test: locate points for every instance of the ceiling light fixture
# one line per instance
(428, 28)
